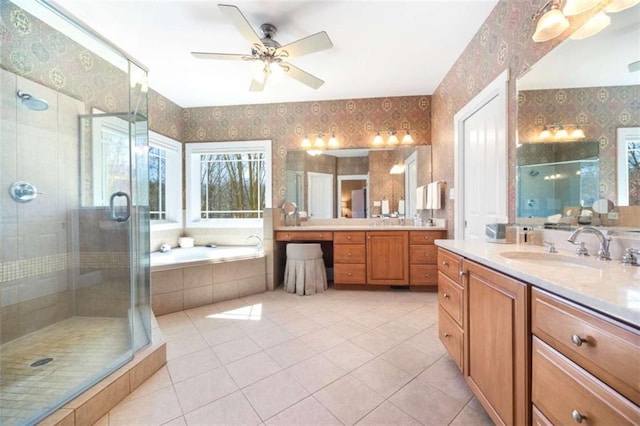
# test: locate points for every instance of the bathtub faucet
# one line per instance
(259, 246)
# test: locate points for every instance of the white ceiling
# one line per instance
(381, 48)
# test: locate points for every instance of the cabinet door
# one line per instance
(497, 354)
(388, 257)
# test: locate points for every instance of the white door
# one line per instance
(410, 184)
(320, 195)
(482, 161)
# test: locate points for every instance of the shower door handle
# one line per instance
(112, 209)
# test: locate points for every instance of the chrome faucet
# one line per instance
(259, 246)
(603, 251)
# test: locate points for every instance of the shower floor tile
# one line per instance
(81, 348)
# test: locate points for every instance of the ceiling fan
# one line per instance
(268, 54)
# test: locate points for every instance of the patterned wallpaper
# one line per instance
(354, 122)
(599, 111)
(502, 42)
(32, 49)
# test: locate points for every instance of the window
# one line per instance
(628, 166)
(228, 183)
(165, 182)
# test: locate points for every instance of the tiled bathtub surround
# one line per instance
(188, 287)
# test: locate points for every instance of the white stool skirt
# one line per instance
(304, 272)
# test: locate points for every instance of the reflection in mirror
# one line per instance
(361, 180)
(583, 86)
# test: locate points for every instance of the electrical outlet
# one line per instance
(612, 215)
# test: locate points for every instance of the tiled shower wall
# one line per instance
(37, 147)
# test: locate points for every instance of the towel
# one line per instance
(434, 199)
(421, 199)
(401, 207)
(385, 207)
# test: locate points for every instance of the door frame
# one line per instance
(497, 88)
(338, 194)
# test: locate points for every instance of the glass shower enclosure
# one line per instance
(74, 228)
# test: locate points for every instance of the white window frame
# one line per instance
(173, 188)
(193, 151)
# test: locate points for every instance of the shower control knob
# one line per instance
(23, 192)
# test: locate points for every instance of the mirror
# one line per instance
(581, 86)
(356, 183)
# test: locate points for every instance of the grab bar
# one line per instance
(127, 215)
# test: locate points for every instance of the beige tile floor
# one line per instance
(342, 357)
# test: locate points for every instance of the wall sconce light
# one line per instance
(397, 169)
(393, 140)
(319, 145)
(559, 133)
(551, 21)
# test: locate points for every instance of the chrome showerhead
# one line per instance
(31, 102)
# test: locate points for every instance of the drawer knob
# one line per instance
(446, 295)
(426, 238)
(446, 335)
(349, 273)
(445, 263)
(426, 275)
(349, 254)
(577, 340)
(577, 417)
(348, 237)
(426, 255)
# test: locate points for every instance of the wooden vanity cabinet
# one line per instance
(585, 365)
(497, 345)
(423, 268)
(388, 257)
(451, 304)
(349, 258)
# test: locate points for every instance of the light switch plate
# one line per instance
(452, 193)
(376, 204)
(612, 215)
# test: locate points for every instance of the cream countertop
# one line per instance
(605, 286)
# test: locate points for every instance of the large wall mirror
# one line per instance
(572, 105)
(357, 183)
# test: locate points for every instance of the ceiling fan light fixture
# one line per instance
(407, 139)
(551, 24)
(620, 5)
(593, 26)
(576, 7)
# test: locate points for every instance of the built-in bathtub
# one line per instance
(185, 278)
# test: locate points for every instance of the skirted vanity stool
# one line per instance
(304, 272)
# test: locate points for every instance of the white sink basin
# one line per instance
(553, 259)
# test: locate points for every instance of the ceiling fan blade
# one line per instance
(241, 23)
(256, 86)
(304, 46)
(302, 76)
(224, 56)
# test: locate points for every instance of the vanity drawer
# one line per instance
(450, 264)
(304, 236)
(349, 253)
(426, 237)
(355, 237)
(604, 347)
(450, 297)
(349, 273)
(451, 336)
(564, 392)
(426, 254)
(423, 274)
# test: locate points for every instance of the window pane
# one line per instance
(157, 183)
(232, 185)
(633, 163)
